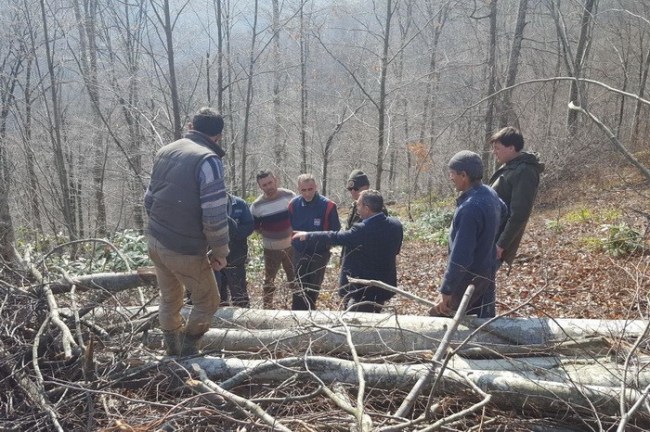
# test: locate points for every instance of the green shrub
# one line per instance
(431, 226)
(555, 225)
(622, 240)
(580, 215)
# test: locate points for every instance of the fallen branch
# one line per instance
(206, 385)
(406, 405)
(387, 287)
(508, 388)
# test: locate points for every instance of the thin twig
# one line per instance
(442, 348)
(208, 386)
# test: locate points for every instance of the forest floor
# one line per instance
(566, 266)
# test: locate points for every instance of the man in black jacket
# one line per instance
(516, 182)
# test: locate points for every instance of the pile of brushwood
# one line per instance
(84, 353)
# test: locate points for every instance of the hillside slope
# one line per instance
(563, 269)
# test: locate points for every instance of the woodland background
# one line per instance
(90, 90)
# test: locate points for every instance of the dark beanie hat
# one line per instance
(469, 162)
(358, 179)
(208, 122)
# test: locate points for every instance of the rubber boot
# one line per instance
(190, 344)
(172, 342)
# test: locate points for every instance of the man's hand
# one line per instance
(299, 235)
(217, 263)
(500, 251)
(442, 306)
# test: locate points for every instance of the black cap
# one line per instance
(357, 180)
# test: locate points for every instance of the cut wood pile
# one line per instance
(77, 355)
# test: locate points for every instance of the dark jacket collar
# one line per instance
(201, 138)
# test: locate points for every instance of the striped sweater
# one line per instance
(272, 219)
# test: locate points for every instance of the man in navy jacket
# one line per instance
(310, 211)
(232, 278)
(371, 249)
(472, 251)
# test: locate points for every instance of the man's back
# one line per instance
(371, 248)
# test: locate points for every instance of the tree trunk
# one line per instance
(579, 61)
(491, 69)
(303, 92)
(643, 81)
(278, 141)
(249, 99)
(86, 20)
(381, 136)
(166, 22)
(55, 130)
(508, 115)
(529, 387)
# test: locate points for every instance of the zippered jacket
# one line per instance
(516, 183)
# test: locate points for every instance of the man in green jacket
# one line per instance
(516, 182)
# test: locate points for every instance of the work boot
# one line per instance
(190, 344)
(172, 342)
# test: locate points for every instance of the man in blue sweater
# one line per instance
(472, 252)
(310, 211)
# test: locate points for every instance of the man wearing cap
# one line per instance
(187, 207)
(357, 182)
(472, 250)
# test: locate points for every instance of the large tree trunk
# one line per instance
(581, 388)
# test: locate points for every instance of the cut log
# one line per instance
(510, 389)
(513, 331)
(113, 282)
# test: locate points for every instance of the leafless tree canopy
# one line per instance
(90, 90)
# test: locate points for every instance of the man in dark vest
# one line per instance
(187, 206)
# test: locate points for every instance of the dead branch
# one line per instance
(208, 386)
(406, 405)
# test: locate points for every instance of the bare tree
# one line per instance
(56, 127)
(491, 69)
(164, 19)
(508, 116)
(11, 65)
(86, 16)
(279, 143)
(249, 97)
(304, 55)
(575, 63)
